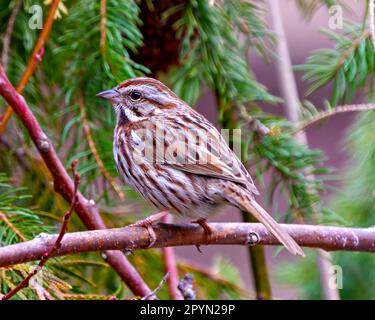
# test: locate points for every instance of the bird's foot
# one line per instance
(147, 223)
(207, 230)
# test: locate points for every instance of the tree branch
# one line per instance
(133, 238)
(170, 266)
(258, 264)
(158, 288)
(64, 185)
(328, 113)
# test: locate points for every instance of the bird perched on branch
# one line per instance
(176, 159)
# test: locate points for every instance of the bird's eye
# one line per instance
(135, 95)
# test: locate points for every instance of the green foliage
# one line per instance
(210, 50)
(217, 54)
(355, 203)
(302, 274)
(90, 69)
(20, 224)
(347, 66)
(290, 163)
(21, 220)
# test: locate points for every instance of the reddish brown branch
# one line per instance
(170, 266)
(48, 254)
(63, 184)
(133, 238)
(34, 60)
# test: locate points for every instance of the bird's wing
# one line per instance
(198, 147)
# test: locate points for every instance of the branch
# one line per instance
(255, 124)
(133, 238)
(259, 266)
(328, 113)
(8, 33)
(170, 266)
(158, 288)
(34, 60)
(63, 185)
(64, 227)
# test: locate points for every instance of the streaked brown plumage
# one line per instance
(158, 151)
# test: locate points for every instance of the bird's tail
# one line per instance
(264, 217)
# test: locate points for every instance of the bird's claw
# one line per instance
(207, 230)
(147, 224)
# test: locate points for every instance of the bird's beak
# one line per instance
(111, 95)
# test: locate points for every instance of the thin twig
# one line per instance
(255, 124)
(34, 60)
(328, 113)
(48, 254)
(158, 288)
(353, 46)
(94, 150)
(63, 185)
(8, 33)
(133, 238)
(170, 266)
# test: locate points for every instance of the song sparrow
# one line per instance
(158, 151)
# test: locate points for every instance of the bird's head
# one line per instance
(138, 98)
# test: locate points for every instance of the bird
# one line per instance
(177, 160)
